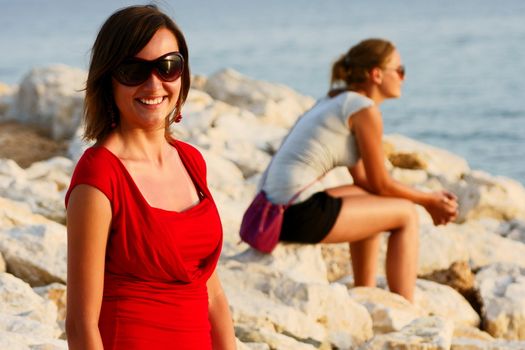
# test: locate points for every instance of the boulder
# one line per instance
(300, 262)
(326, 312)
(35, 253)
(18, 299)
(276, 103)
(266, 339)
(502, 287)
(15, 213)
(347, 323)
(33, 332)
(425, 333)
(227, 177)
(458, 276)
(251, 306)
(407, 153)
(513, 229)
(470, 338)
(337, 260)
(481, 195)
(51, 98)
(55, 292)
(42, 185)
(476, 241)
(440, 300)
(485, 246)
(390, 312)
(440, 247)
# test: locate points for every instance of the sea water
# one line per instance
(465, 60)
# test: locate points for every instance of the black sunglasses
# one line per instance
(401, 71)
(135, 71)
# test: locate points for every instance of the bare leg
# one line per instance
(364, 260)
(363, 216)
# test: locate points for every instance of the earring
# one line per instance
(178, 118)
(112, 116)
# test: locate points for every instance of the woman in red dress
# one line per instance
(144, 234)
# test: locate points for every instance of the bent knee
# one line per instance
(409, 212)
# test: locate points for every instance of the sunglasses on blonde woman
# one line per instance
(401, 71)
(135, 71)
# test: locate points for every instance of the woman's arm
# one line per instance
(371, 173)
(222, 334)
(88, 222)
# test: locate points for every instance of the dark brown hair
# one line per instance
(352, 69)
(124, 34)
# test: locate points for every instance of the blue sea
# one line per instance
(465, 60)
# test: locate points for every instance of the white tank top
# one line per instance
(320, 141)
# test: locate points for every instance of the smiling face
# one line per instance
(147, 105)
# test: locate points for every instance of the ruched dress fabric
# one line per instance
(157, 261)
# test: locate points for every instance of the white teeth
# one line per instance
(153, 101)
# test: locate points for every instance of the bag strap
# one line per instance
(294, 197)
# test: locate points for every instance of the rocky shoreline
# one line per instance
(471, 286)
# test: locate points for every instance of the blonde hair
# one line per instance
(352, 69)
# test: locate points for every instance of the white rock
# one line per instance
(251, 306)
(12, 341)
(77, 146)
(34, 332)
(2, 263)
(426, 333)
(223, 175)
(410, 177)
(485, 246)
(440, 300)
(277, 103)
(247, 128)
(42, 185)
(36, 253)
(390, 312)
(273, 340)
(44, 197)
(437, 161)
(15, 213)
(231, 211)
(51, 98)
(18, 299)
(477, 242)
(11, 169)
(481, 195)
(250, 345)
(348, 323)
(476, 344)
(514, 229)
(470, 338)
(441, 246)
(56, 169)
(300, 262)
(254, 346)
(55, 292)
(502, 290)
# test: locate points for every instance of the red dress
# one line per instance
(157, 261)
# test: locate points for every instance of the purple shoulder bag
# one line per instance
(262, 221)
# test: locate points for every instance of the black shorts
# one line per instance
(310, 221)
